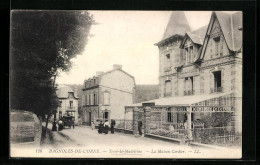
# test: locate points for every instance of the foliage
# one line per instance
(146, 92)
(217, 119)
(43, 42)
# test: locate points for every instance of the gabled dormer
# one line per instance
(191, 47)
(223, 36)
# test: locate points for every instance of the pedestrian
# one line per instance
(140, 127)
(100, 127)
(113, 123)
(92, 125)
(171, 128)
(60, 124)
(106, 127)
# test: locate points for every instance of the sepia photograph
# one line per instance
(125, 84)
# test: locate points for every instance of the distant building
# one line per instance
(105, 95)
(68, 102)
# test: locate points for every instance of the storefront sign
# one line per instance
(211, 109)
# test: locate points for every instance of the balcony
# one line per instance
(168, 94)
(71, 108)
(189, 92)
(218, 89)
(167, 69)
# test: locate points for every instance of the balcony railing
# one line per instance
(167, 69)
(189, 92)
(71, 107)
(218, 89)
(167, 94)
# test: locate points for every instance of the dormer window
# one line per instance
(168, 62)
(217, 44)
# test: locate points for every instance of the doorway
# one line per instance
(89, 119)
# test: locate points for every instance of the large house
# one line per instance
(200, 75)
(105, 95)
(68, 102)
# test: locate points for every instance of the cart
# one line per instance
(69, 119)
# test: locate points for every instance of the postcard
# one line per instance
(126, 84)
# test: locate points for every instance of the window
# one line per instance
(94, 99)
(106, 98)
(217, 41)
(71, 104)
(105, 115)
(188, 86)
(217, 81)
(191, 53)
(168, 88)
(168, 60)
(187, 54)
(83, 100)
(60, 102)
(169, 117)
(89, 99)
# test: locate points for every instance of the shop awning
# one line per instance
(182, 100)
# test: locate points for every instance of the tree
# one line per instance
(43, 42)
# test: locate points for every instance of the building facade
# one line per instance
(200, 77)
(105, 95)
(68, 102)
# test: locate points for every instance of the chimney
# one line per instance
(116, 66)
(75, 92)
(99, 73)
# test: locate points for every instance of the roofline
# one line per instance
(168, 38)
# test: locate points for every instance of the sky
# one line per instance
(126, 38)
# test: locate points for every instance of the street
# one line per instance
(83, 142)
(85, 136)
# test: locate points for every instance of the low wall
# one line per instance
(25, 128)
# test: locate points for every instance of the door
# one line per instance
(89, 117)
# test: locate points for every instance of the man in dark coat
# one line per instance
(113, 123)
(140, 127)
(100, 127)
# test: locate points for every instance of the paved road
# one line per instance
(109, 145)
(85, 136)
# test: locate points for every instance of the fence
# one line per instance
(215, 135)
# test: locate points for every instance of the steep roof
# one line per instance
(177, 24)
(63, 91)
(99, 77)
(230, 24)
(197, 39)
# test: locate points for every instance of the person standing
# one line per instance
(92, 125)
(140, 127)
(100, 127)
(106, 126)
(113, 123)
(60, 124)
